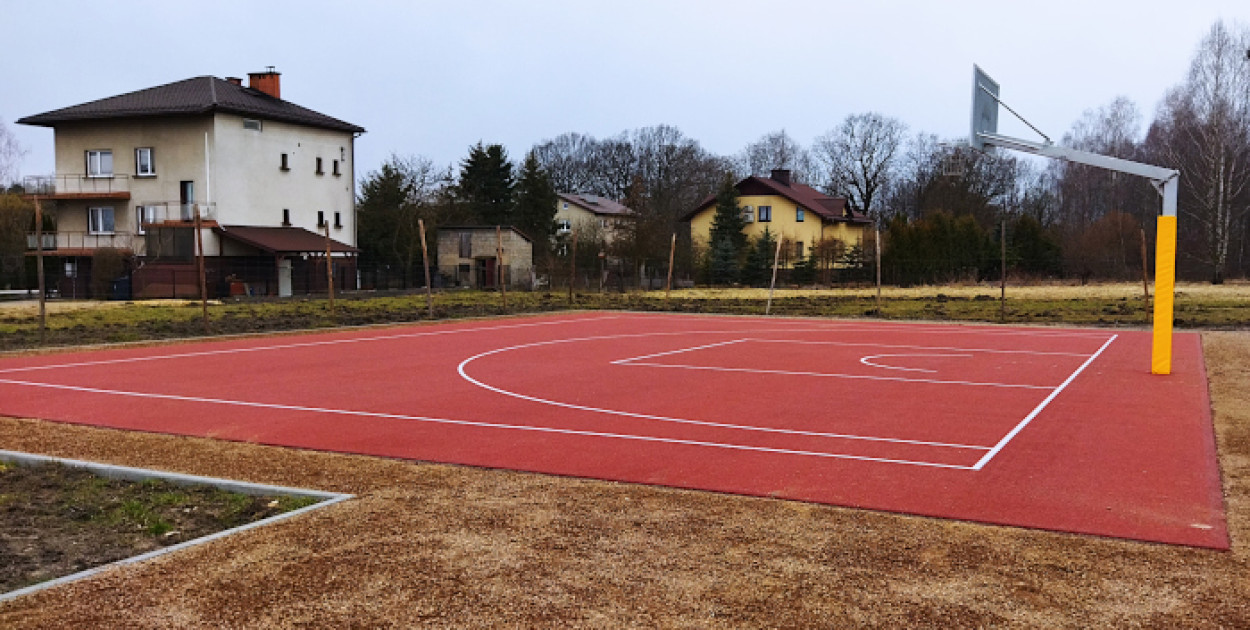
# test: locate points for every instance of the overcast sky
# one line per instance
(432, 78)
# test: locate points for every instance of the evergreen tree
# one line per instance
(727, 223)
(804, 270)
(724, 262)
(382, 195)
(535, 203)
(757, 271)
(486, 185)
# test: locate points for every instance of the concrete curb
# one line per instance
(141, 474)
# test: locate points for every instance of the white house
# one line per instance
(267, 177)
(590, 214)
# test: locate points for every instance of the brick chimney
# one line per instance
(782, 176)
(235, 81)
(269, 82)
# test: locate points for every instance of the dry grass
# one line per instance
(454, 546)
(1233, 290)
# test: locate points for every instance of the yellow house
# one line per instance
(801, 216)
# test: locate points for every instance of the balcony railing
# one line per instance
(77, 185)
(54, 242)
(157, 212)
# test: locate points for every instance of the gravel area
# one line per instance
(427, 544)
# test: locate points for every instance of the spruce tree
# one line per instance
(724, 262)
(727, 223)
(486, 185)
(536, 200)
(759, 262)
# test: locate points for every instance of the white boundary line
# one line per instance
(672, 352)
(859, 326)
(914, 347)
(307, 344)
(642, 416)
(488, 425)
(866, 377)
(985, 459)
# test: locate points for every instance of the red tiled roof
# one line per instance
(832, 209)
(282, 240)
(199, 95)
(597, 205)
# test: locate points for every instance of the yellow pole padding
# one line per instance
(1165, 282)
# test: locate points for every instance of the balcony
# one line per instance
(174, 212)
(63, 243)
(77, 187)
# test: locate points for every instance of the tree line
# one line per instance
(944, 209)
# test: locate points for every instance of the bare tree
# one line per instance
(11, 154)
(858, 158)
(776, 150)
(1101, 212)
(1203, 129)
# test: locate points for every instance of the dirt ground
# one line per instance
(57, 520)
(440, 545)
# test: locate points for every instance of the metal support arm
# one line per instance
(1157, 174)
(1167, 182)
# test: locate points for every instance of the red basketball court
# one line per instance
(1048, 428)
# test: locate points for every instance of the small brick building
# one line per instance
(468, 256)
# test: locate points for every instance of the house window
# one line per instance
(336, 168)
(286, 164)
(564, 226)
(466, 245)
(321, 218)
(766, 213)
(144, 166)
(748, 215)
(798, 215)
(100, 220)
(144, 215)
(100, 163)
(286, 217)
(251, 123)
(320, 171)
(798, 250)
(338, 220)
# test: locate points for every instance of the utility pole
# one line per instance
(199, 263)
(425, 258)
(329, 268)
(43, 298)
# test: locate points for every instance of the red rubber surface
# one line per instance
(1036, 427)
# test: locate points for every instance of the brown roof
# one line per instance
(597, 205)
(190, 97)
(282, 240)
(833, 209)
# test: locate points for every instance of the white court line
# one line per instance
(671, 352)
(865, 361)
(912, 347)
(836, 375)
(488, 425)
(307, 344)
(1033, 414)
(854, 326)
(642, 416)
